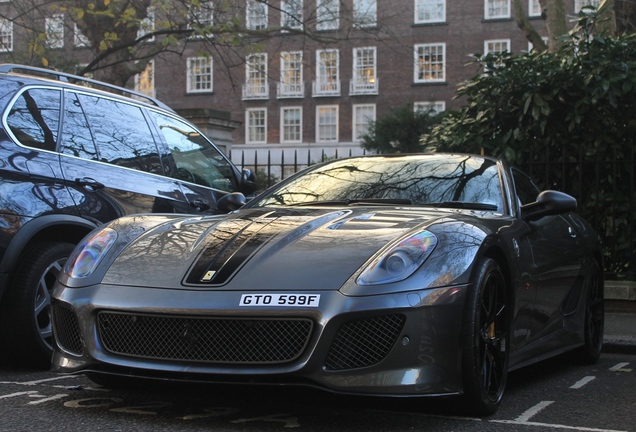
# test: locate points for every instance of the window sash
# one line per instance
(199, 75)
(430, 63)
(428, 11)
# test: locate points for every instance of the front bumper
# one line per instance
(392, 344)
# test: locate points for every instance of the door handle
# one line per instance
(89, 183)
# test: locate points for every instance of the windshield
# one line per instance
(436, 180)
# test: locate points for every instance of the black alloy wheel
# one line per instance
(26, 309)
(486, 339)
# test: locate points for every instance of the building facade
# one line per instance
(331, 68)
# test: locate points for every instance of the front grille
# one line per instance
(364, 342)
(67, 331)
(204, 339)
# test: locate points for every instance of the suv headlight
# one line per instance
(400, 261)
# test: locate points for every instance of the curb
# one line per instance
(620, 290)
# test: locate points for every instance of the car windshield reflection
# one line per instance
(430, 180)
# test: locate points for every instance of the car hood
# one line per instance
(264, 249)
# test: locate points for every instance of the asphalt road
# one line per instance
(554, 395)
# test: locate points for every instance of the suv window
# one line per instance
(196, 159)
(35, 117)
(77, 139)
(131, 143)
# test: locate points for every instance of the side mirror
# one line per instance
(548, 203)
(230, 202)
(248, 182)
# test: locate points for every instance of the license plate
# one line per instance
(289, 300)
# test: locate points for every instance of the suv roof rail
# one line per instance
(66, 77)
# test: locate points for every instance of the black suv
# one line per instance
(76, 153)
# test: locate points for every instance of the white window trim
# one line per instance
(286, 90)
(6, 28)
(282, 125)
(189, 87)
(151, 65)
(531, 11)
(54, 28)
(322, 86)
(247, 126)
(354, 136)
(337, 138)
(426, 106)
(487, 15)
(360, 87)
(374, 16)
(327, 24)
(493, 41)
(296, 25)
(248, 22)
(580, 4)
(418, 4)
(416, 64)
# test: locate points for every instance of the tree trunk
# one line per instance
(555, 22)
(527, 28)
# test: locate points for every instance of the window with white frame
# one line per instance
(494, 9)
(365, 79)
(200, 18)
(430, 11)
(256, 12)
(430, 63)
(496, 46)
(291, 74)
(365, 13)
(327, 73)
(79, 40)
(291, 122)
(256, 77)
(146, 26)
(256, 125)
(580, 4)
(327, 123)
(434, 107)
(54, 31)
(199, 75)
(328, 15)
(6, 35)
(363, 116)
(534, 8)
(145, 81)
(291, 15)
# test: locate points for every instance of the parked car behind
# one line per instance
(74, 156)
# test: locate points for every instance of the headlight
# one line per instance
(88, 254)
(400, 261)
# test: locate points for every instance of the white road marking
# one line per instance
(553, 426)
(533, 411)
(48, 399)
(620, 367)
(17, 394)
(580, 383)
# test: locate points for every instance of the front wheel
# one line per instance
(486, 339)
(594, 323)
(26, 308)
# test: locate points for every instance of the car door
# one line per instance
(203, 172)
(111, 162)
(555, 263)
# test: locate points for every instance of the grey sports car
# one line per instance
(420, 275)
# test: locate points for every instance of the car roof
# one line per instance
(66, 80)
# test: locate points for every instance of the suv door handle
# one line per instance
(90, 183)
(200, 205)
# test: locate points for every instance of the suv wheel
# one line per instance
(26, 314)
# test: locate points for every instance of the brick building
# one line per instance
(317, 94)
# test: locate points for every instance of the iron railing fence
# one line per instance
(605, 190)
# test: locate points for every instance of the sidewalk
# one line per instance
(620, 317)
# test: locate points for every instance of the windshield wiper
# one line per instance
(358, 202)
(462, 205)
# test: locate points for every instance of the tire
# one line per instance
(26, 307)
(594, 324)
(486, 340)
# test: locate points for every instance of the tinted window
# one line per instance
(197, 160)
(77, 139)
(35, 117)
(425, 180)
(526, 190)
(121, 134)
